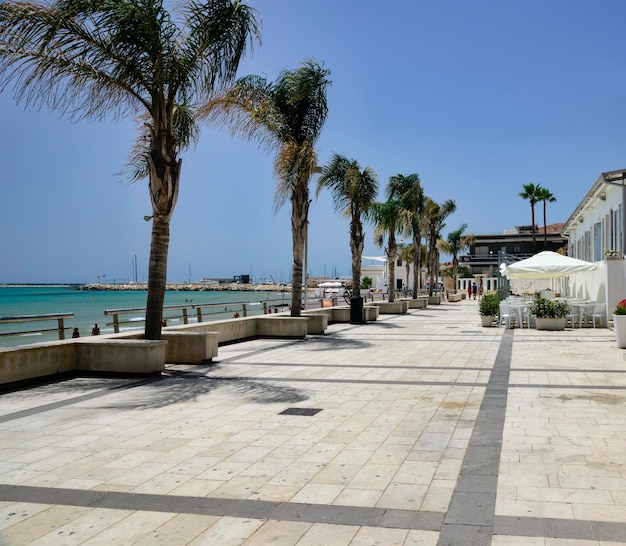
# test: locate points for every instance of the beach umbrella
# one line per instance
(546, 265)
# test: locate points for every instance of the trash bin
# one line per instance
(356, 310)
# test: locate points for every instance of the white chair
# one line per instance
(505, 315)
(595, 312)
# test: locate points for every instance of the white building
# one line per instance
(597, 223)
(595, 231)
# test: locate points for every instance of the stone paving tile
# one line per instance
(399, 397)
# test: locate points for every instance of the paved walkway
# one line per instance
(423, 429)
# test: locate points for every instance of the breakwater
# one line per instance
(191, 287)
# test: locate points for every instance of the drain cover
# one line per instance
(300, 411)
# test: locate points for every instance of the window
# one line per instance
(597, 242)
(399, 262)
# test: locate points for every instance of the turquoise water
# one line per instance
(89, 306)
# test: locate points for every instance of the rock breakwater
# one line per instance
(193, 287)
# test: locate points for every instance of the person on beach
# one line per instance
(75, 333)
(95, 331)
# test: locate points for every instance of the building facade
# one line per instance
(597, 223)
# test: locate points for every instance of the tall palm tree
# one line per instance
(354, 191)
(435, 215)
(532, 193)
(408, 190)
(456, 242)
(286, 116)
(546, 196)
(386, 217)
(93, 59)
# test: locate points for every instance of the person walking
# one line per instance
(474, 290)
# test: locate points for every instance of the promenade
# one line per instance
(417, 429)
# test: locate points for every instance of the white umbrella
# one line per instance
(546, 265)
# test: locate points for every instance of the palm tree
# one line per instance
(435, 215)
(287, 116)
(386, 217)
(353, 191)
(532, 193)
(93, 59)
(457, 241)
(408, 190)
(546, 196)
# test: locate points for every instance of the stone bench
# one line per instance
(285, 327)
(190, 347)
(455, 297)
(136, 356)
(421, 302)
(398, 307)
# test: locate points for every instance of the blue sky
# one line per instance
(476, 96)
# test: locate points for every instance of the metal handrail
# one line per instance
(195, 307)
(59, 317)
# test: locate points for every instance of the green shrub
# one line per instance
(489, 305)
(543, 308)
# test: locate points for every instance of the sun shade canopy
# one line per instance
(546, 265)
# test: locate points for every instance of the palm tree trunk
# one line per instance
(417, 261)
(391, 262)
(157, 276)
(356, 246)
(545, 227)
(455, 271)
(299, 218)
(532, 210)
(164, 177)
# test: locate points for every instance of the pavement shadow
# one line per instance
(189, 386)
(330, 343)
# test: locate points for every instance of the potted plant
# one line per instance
(612, 254)
(619, 324)
(549, 314)
(488, 307)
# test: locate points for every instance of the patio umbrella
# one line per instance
(546, 265)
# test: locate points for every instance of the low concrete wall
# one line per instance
(277, 326)
(455, 297)
(421, 302)
(318, 323)
(397, 307)
(142, 356)
(190, 347)
(127, 352)
(341, 314)
(36, 360)
(434, 300)
(231, 330)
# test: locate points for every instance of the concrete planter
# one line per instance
(619, 327)
(487, 320)
(550, 323)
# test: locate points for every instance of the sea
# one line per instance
(88, 307)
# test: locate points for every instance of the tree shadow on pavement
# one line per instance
(331, 343)
(190, 386)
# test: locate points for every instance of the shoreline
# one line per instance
(190, 287)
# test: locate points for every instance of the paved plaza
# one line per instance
(416, 429)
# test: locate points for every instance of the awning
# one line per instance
(546, 265)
